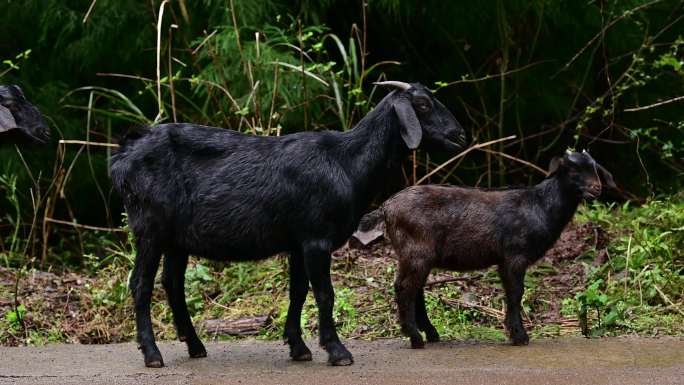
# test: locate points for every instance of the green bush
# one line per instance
(641, 283)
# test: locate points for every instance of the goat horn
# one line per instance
(391, 83)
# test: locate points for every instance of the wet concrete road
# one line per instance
(568, 361)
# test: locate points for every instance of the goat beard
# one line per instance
(7, 121)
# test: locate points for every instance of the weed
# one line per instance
(14, 317)
(641, 280)
(9, 184)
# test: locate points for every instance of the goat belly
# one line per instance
(234, 250)
(235, 240)
(467, 260)
(470, 243)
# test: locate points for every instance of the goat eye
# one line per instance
(422, 107)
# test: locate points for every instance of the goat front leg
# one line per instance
(141, 284)
(317, 262)
(410, 279)
(512, 273)
(299, 287)
(423, 320)
(173, 279)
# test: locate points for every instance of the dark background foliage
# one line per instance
(557, 74)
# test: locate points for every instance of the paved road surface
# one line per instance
(569, 360)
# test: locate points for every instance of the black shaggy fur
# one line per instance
(223, 195)
(463, 229)
(20, 121)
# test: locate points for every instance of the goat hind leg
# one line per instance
(317, 263)
(142, 284)
(406, 287)
(299, 287)
(173, 279)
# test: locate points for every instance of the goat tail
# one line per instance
(120, 163)
(134, 133)
(371, 227)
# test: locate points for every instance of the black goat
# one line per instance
(20, 121)
(223, 195)
(464, 229)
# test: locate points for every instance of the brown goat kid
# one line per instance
(465, 229)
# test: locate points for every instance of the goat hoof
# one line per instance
(417, 343)
(342, 362)
(153, 358)
(432, 336)
(154, 361)
(196, 348)
(302, 357)
(300, 353)
(521, 341)
(198, 352)
(338, 355)
(155, 364)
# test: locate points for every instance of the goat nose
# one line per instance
(461, 138)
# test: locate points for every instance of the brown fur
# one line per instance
(465, 229)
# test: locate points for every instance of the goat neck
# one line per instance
(559, 200)
(373, 148)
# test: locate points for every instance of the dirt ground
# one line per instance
(567, 360)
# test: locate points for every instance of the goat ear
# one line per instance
(409, 126)
(18, 90)
(606, 177)
(554, 164)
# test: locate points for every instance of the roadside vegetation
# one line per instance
(531, 78)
